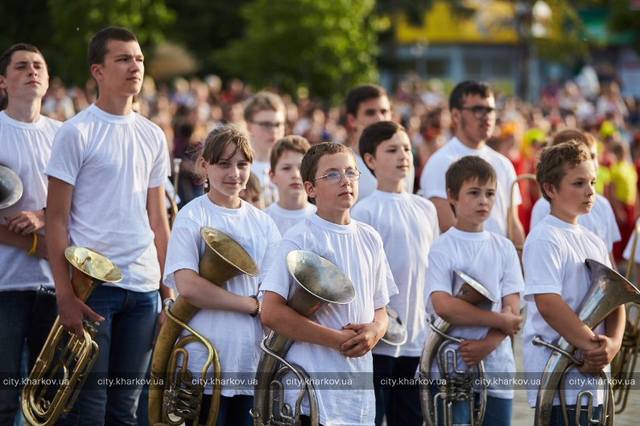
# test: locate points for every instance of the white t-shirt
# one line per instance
(368, 182)
(554, 256)
(287, 219)
(408, 225)
(433, 184)
(357, 250)
(600, 220)
(25, 148)
(112, 161)
(629, 247)
(492, 260)
(269, 190)
(235, 335)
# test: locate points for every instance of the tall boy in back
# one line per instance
(408, 225)
(557, 278)
(492, 260)
(292, 205)
(339, 339)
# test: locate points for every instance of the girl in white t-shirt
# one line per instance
(334, 346)
(492, 260)
(557, 279)
(228, 314)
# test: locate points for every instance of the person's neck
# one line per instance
(261, 154)
(115, 105)
(391, 186)
(470, 143)
(352, 142)
(293, 202)
(339, 217)
(25, 111)
(564, 216)
(467, 226)
(228, 202)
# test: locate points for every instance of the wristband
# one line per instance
(34, 245)
(258, 306)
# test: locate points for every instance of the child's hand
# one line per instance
(343, 336)
(474, 351)
(511, 323)
(366, 338)
(597, 358)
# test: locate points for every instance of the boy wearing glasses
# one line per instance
(264, 114)
(408, 225)
(472, 106)
(336, 343)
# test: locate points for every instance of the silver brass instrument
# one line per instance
(174, 395)
(608, 291)
(66, 359)
(455, 385)
(319, 282)
(10, 187)
(396, 334)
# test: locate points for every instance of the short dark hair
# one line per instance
(262, 101)
(374, 134)
(293, 143)
(360, 94)
(223, 136)
(466, 169)
(466, 88)
(554, 161)
(98, 44)
(5, 58)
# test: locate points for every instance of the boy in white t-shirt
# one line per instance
(408, 225)
(292, 205)
(336, 343)
(228, 314)
(557, 278)
(601, 219)
(26, 138)
(492, 260)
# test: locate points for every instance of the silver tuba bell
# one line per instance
(455, 385)
(10, 187)
(608, 290)
(319, 282)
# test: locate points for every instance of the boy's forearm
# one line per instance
(16, 240)
(458, 312)
(206, 295)
(615, 324)
(565, 321)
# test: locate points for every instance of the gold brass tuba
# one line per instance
(10, 187)
(69, 367)
(318, 282)
(174, 396)
(608, 291)
(455, 385)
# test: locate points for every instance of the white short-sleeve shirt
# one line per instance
(492, 260)
(554, 262)
(432, 180)
(235, 335)
(112, 161)
(600, 220)
(287, 219)
(408, 225)
(629, 247)
(357, 250)
(25, 148)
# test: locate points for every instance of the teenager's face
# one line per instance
(266, 128)
(228, 176)
(475, 122)
(474, 203)
(286, 175)
(338, 196)
(122, 70)
(576, 193)
(27, 76)
(392, 160)
(369, 112)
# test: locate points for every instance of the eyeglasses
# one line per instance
(480, 111)
(269, 124)
(335, 176)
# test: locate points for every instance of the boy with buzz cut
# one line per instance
(339, 339)
(469, 248)
(292, 205)
(408, 225)
(557, 278)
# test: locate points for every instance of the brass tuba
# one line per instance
(318, 282)
(455, 385)
(10, 187)
(608, 291)
(174, 394)
(66, 359)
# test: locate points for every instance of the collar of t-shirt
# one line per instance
(464, 149)
(476, 236)
(293, 214)
(21, 124)
(395, 196)
(224, 211)
(559, 223)
(111, 118)
(333, 227)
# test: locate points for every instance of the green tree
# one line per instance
(326, 46)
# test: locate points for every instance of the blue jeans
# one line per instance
(557, 419)
(498, 411)
(25, 317)
(110, 394)
(234, 410)
(399, 403)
